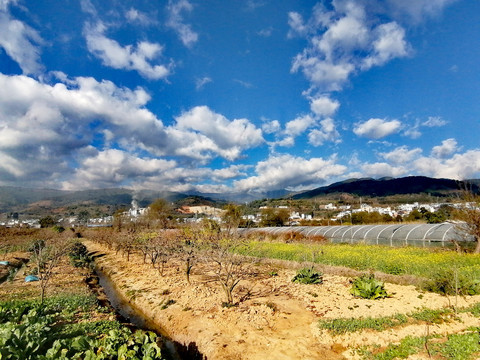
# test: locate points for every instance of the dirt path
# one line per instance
(277, 320)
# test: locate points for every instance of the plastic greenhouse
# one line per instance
(394, 235)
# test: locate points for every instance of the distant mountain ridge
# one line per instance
(392, 186)
(17, 199)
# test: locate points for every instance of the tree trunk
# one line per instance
(477, 248)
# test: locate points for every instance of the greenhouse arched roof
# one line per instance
(391, 234)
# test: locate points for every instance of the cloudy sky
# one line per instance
(227, 96)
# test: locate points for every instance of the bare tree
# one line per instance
(470, 216)
(46, 254)
(230, 267)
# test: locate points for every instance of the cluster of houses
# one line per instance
(401, 210)
(30, 223)
(197, 213)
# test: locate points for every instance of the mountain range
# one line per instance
(31, 201)
(393, 186)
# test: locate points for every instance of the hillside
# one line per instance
(39, 202)
(390, 186)
(44, 201)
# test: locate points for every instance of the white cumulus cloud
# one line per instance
(418, 10)
(297, 126)
(390, 43)
(201, 82)
(326, 132)
(324, 106)
(448, 148)
(210, 131)
(140, 57)
(401, 155)
(345, 40)
(45, 129)
(377, 128)
(288, 171)
(111, 167)
(459, 166)
(434, 121)
(138, 17)
(377, 170)
(271, 126)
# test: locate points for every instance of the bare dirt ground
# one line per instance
(65, 279)
(275, 318)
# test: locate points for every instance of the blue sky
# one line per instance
(237, 96)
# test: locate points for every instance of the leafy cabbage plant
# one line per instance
(367, 287)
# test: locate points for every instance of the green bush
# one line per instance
(79, 255)
(367, 287)
(36, 246)
(58, 229)
(451, 282)
(308, 276)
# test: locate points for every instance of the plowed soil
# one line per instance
(274, 318)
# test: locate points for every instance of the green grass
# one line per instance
(408, 346)
(421, 262)
(472, 309)
(342, 325)
(433, 316)
(465, 346)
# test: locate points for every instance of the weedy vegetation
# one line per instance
(308, 275)
(427, 265)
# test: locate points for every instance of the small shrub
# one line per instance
(447, 282)
(293, 236)
(79, 255)
(36, 245)
(58, 229)
(367, 287)
(308, 276)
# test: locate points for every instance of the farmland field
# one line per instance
(272, 317)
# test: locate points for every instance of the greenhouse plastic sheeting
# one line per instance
(393, 234)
